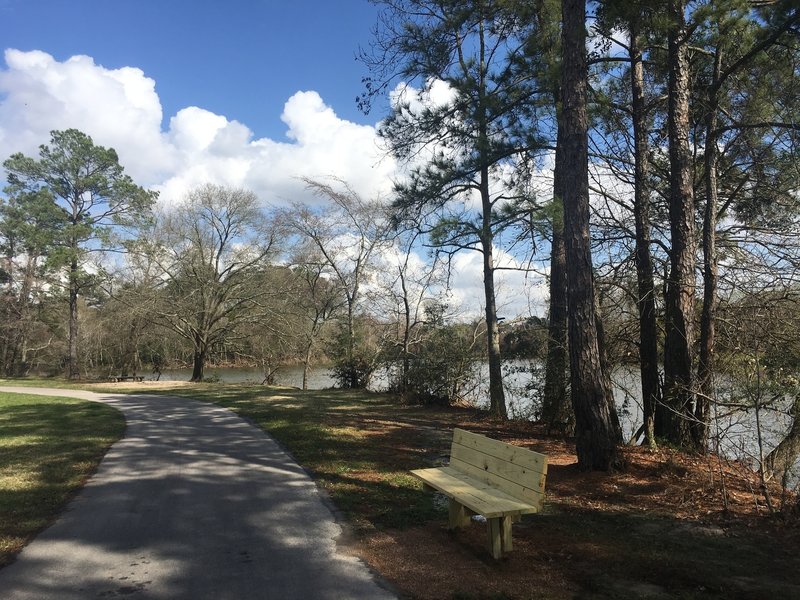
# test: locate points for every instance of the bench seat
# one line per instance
(479, 497)
(490, 478)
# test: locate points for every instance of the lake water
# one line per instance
(318, 378)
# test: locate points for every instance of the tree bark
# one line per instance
(73, 370)
(674, 423)
(596, 443)
(648, 330)
(406, 332)
(497, 397)
(307, 364)
(705, 367)
(199, 362)
(785, 454)
(556, 411)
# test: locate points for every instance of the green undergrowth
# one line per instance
(48, 448)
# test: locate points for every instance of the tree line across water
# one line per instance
(643, 157)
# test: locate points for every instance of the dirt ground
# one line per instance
(658, 529)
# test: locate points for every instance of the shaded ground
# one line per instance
(657, 530)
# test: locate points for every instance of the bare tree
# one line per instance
(345, 234)
(320, 300)
(210, 257)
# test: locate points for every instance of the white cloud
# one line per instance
(435, 94)
(517, 291)
(120, 108)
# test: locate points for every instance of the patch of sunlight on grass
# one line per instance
(49, 447)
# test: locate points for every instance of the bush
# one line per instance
(443, 366)
(352, 373)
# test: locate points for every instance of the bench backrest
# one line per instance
(517, 471)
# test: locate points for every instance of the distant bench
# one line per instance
(118, 378)
(490, 478)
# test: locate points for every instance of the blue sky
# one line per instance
(239, 58)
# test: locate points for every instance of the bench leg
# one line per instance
(495, 539)
(499, 532)
(459, 518)
(505, 533)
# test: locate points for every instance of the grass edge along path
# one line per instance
(49, 447)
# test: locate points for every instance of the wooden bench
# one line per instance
(119, 378)
(490, 478)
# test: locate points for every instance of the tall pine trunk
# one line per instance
(705, 366)
(674, 423)
(595, 435)
(497, 398)
(556, 412)
(646, 304)
(73, 370)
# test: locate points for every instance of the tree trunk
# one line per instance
(199, 363)
(406, 332)
(648, 330)
(497, 397)
(675, 422)
(605, 369)
(307, 364)
(556, 411)
(705, 367)
(785, 454)
(596, 443)
(73, 370)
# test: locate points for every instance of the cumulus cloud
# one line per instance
(120, 108)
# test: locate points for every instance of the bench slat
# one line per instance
(476, 495)
(527, 459)
(529, 491)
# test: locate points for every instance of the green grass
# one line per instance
(50, 382)
(48, 448)
(349, 440)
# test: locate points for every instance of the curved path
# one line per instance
(192, 503)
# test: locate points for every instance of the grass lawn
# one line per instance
(48, 448)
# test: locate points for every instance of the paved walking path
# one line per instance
(192, 503)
